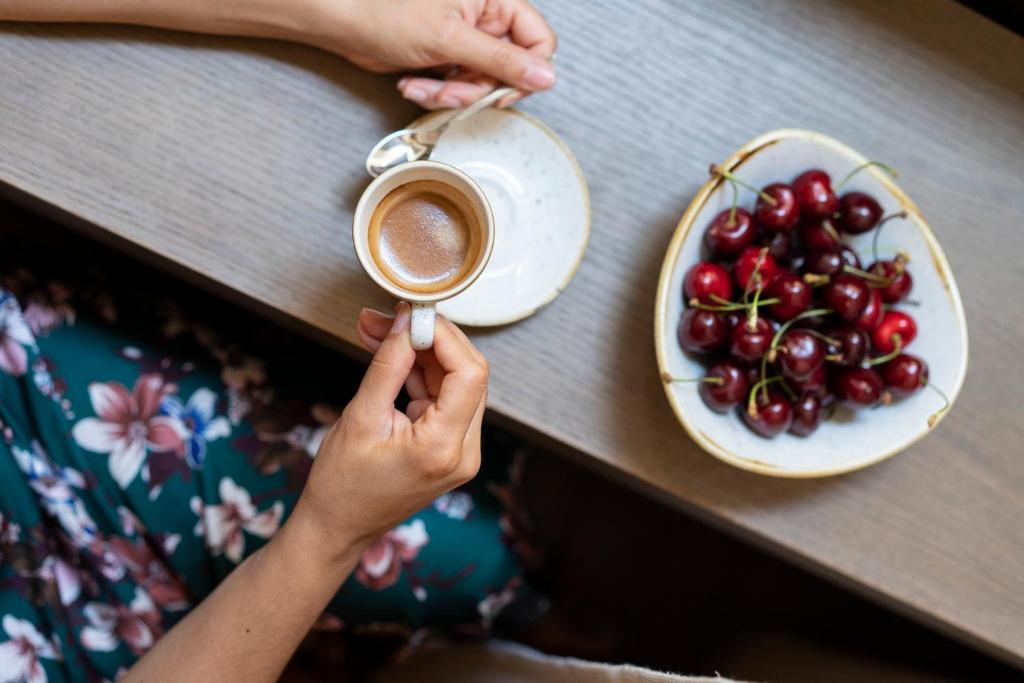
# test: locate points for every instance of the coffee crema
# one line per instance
(425, 237)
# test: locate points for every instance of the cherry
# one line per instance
(858, 212)
(905, 374)
(793, 293)
(818, 235)
(859, 387)
(900, 282)
(872, 314)
(734, 319)
(769, 416)
(780, 246)
(847, 295)
(732, 390)
(852, 345)
(800, 354)
(780, 216)
(754, 260)
(814, 193)
(807, 414)
(729, 234)
(816, 382)
(850, 257)
(705, 279)
(750, 344)
(701, 331)
(893, 323)
(824, 262)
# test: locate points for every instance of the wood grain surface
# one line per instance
(240, 162)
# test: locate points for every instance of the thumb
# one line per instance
(501, 59)
(390, 366)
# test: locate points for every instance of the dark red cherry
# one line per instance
(799, 354)
(826, 262)
(807, 414)
(872, 314)
(852, 346)
(701, 331)
(733, 319)
(858, 212)
(816, 382)
(783, 214)
(818, 235)
(850, 257)
(780, 246)
(905, 374)
(893, 323)
(814, 194)
(772, 416)
(750, 344)
(730, 391)
(859, 387)
(793, 293)
(705, 279)
(900, 282)
(847, 295)
(727, 237)
(754, 269)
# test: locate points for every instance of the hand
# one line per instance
(489, 41)
(379, 465)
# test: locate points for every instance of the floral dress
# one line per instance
(144, 455)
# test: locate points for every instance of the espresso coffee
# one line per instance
(424, 236)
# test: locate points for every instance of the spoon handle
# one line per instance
(430, 135)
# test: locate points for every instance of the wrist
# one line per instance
(305, 535)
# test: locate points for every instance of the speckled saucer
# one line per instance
(541, 211)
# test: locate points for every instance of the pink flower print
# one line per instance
(137, 625)
(127, 425)
(15, 335)
(381, 563)
(19, 656)
(224, 523)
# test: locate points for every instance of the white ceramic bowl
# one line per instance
(852, 439)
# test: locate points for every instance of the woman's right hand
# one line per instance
(379, 465)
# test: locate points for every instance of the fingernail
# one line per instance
(415, 93)
(374, 312)
(402, 81)
(449, 102)
(401, 317)
(539, 76)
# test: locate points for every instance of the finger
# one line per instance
(415, 410)
(390, 366)
(503, 60)
(461, 336)
(521, 22)
(465, 379)
(420, 90)
(416, 385)
(375, 324)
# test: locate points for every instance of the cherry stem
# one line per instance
(873, 279)
(752, 313)
(789, 391)
(897, 340)
(933, 419)
(784, 327)
(759, 386)
(735, 203)
(718, 170)
(827, 226)
(815, 280)
(731, 306)
(878, 229)
(823, 337)
(885, 167)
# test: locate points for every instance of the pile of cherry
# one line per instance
(789, 320)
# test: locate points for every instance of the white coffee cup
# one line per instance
(424, 311)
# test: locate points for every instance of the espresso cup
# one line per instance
(423, 304)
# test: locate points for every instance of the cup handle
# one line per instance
(421, 327)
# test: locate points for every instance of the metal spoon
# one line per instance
(412, 144)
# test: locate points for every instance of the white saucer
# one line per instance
(541, 212)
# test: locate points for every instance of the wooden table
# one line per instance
(239, 162)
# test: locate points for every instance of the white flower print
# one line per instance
(55, 486)
(135, 624)
(224, 523)
(15, 335)
(19, 656)
(455, 504)
(127, 425)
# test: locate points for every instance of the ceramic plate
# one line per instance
(850, 440)
(541, 212)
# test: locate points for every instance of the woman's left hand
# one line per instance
(478, 43)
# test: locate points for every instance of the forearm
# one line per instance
(249, 627)
(286, 19)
